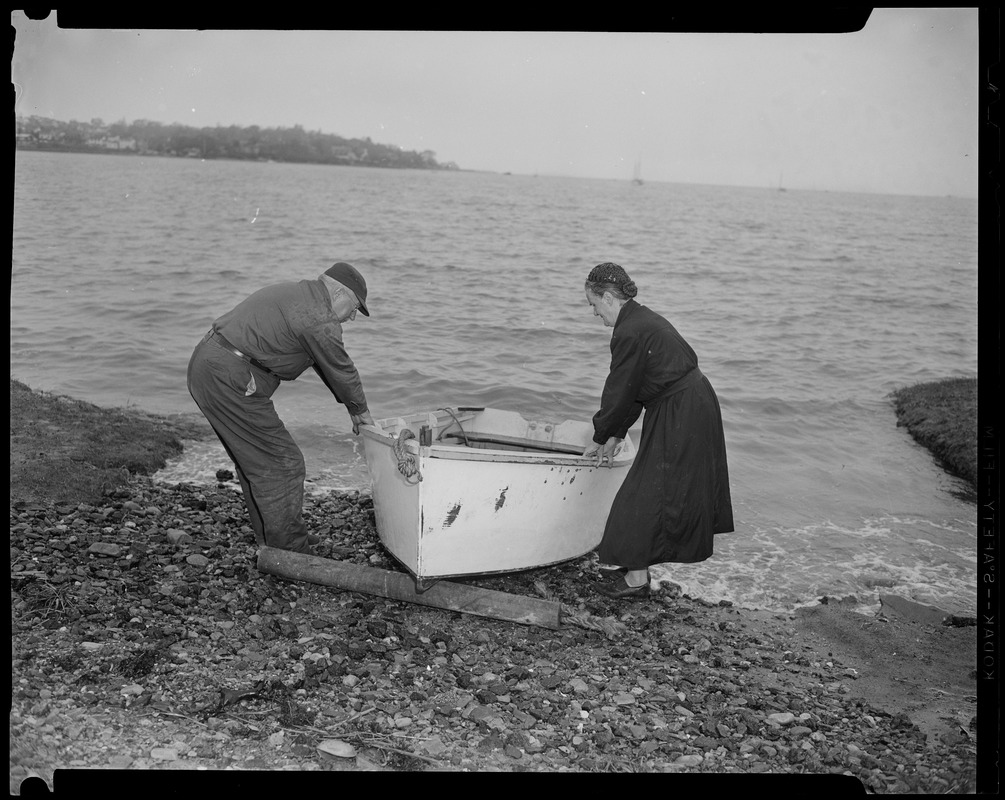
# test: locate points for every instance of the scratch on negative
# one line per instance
(452, 515)
(502, 499)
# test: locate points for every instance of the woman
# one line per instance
(675, 496)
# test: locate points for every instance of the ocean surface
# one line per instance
(806, 309)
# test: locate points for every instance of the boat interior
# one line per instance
(481, 441)
(474, 428)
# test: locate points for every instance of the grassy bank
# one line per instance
(65, 451)
(942, 416)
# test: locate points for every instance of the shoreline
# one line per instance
(138, 606)
(87, 450)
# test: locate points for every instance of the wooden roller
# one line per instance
(398, 586)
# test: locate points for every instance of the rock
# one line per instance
(197, 560)
(336, 748)
(105, 549)
(908, 609)
(176, 536)
(433, 746)
(164, 754)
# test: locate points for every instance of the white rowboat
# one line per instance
(469, 491)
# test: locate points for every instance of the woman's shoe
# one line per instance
(619, 589)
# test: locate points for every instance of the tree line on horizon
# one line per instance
(144, 137)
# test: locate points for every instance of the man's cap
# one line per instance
(349, 276)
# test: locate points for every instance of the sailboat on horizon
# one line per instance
(637, 177)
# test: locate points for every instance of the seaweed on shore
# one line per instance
(942, 417)
(67, 450)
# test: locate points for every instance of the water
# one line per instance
(806, 310)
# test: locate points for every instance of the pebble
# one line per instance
(433, 746)
(176, 536)
(105, 549)
(336, 748)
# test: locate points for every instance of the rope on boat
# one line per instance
(583, 619)
(407, 464)
(463, 434)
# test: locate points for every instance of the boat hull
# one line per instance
(484, 491)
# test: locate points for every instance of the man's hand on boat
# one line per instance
(361, 419)
(603, 452)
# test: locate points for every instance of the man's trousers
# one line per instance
(236, 398)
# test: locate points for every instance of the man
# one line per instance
(274, 335)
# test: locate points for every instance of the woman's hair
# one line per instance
(609, 277)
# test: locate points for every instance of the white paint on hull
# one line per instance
(498, 493)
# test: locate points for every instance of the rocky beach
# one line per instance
(145, 640)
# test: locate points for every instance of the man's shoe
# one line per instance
(619, 589)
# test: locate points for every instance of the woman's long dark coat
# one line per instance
(676, 494)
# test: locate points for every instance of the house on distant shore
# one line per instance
(107, 142)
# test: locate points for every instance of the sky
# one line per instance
(893, 108)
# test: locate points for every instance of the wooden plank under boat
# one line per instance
(469, 491)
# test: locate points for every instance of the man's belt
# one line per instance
(222, 341)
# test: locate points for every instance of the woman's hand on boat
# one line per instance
(361, 419)
(603, 452)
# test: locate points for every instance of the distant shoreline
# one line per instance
(102, 151)
(233, 143)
